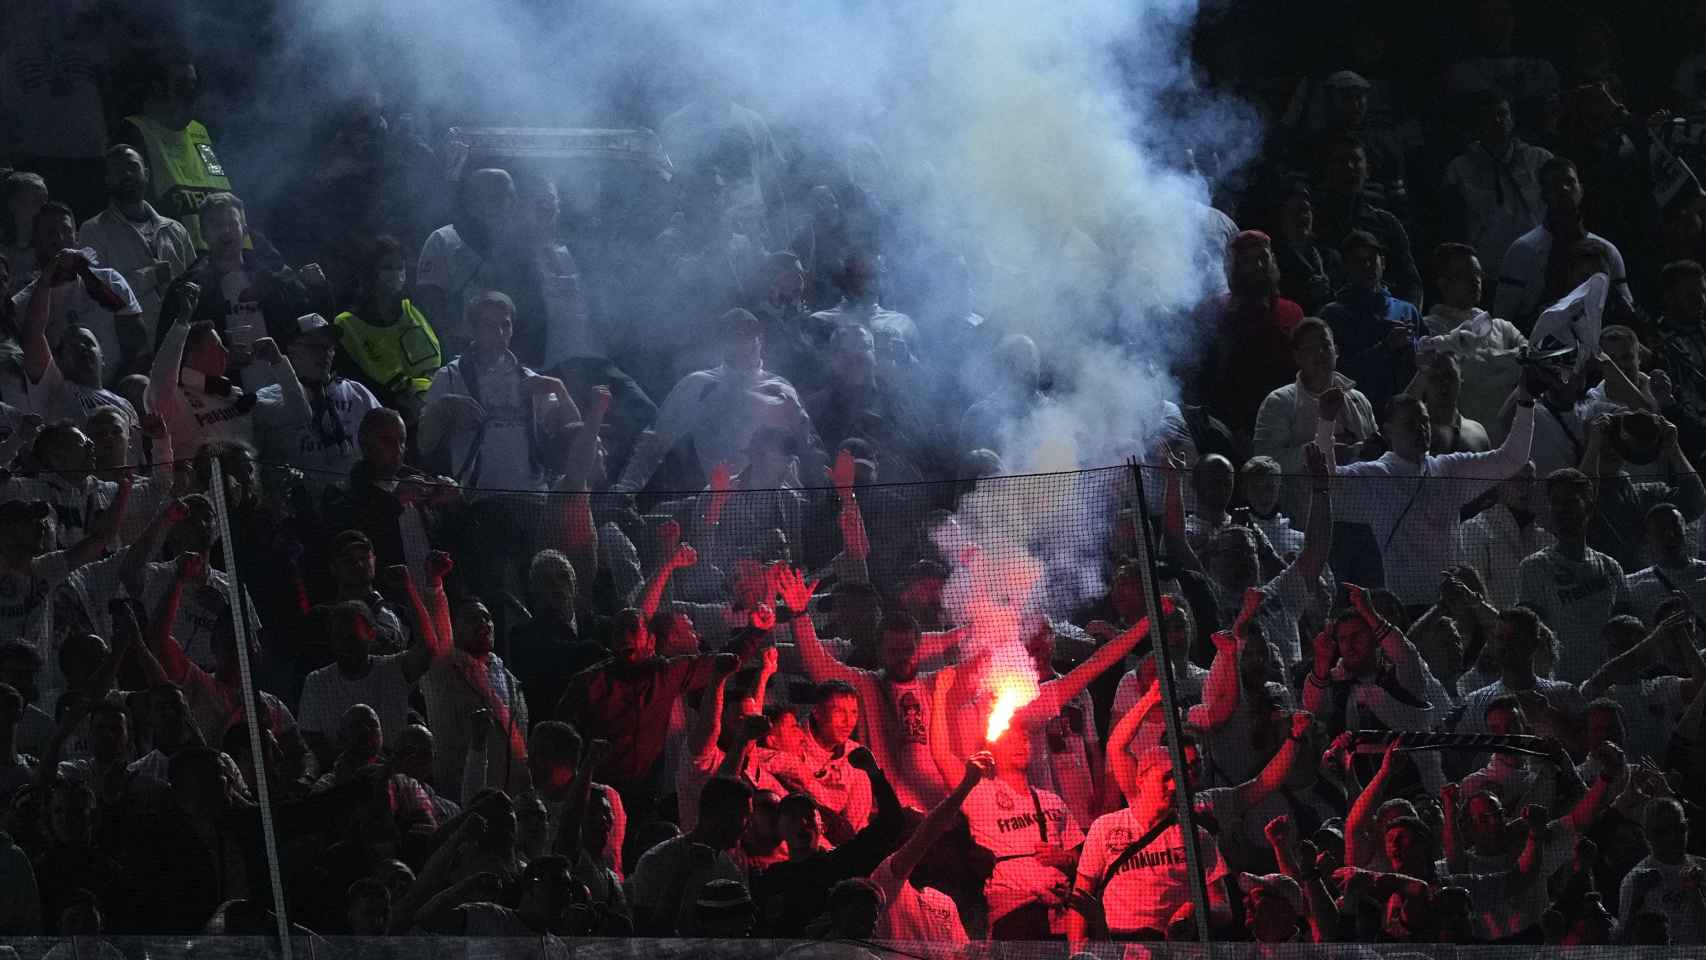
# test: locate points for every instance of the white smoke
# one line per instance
(1029, 134)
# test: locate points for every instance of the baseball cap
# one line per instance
(312, 324)
(16, 511)
(1346, 80)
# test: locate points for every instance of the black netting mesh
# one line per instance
(1508, 628)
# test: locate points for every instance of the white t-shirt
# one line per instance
(505, 450)
(326, 448)
(916, 914)
(73, 307)
(327, 693)
(1153, 884)
(1575, 599)
(202, 610)
(1499, 913)
(1652, 586)
(1651, 709)
(1668, 898)
(448, 263)
(1066, 772)
(56, 398)
(1006, 822)
(25, 613)
(835, 784)
(1562, 696)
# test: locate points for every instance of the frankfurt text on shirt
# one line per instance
(1150, 859)
(1028, 821)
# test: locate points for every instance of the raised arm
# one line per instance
(1251, 793)
(133, 568)
(819, 663)
(1055, 694)
(1220, 692)
(850, 563)
(652, 596)
(1361, 843)
(1626, 666)
(192, 569)
(911, 853)
(1297, 859)
(283, 373)
(708, 725)
(162, 394)
(1173, 516)
(1318, 532)
(38, 355)
(1122, 766)
(1503, 461)
(435, 637)
(1601, 792)
(99, 534)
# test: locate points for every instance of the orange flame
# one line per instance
(1012, 693)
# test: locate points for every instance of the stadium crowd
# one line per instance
(1427, 557)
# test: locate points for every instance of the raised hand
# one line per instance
(1281, 832)
(683, 557)
(796, 592)
(1363, 604)
(980, 766)
(601, 401)
(439, 564)
(1316, 459)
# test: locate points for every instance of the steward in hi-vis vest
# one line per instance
(183, 171)
(398, 359)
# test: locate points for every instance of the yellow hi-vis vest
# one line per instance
(183, 170)
(400, 358)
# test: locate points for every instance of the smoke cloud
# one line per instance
(1040, 139)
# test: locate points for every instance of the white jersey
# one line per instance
(916, 914)
(1653, 585)
(1010, 823)
(1575, 598)
(25, 613)
(836, 785)
(76, 505)
(203, 610)
(325, 445)
(55, 398)
(1148, 887)
(73, 307)
(327, 693)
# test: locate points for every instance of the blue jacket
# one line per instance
(1360, 320)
